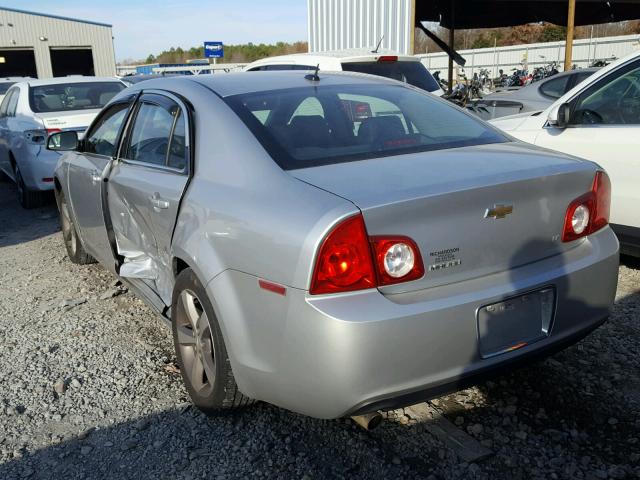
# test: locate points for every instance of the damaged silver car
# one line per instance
(335, 244)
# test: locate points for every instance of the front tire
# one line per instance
(73, 244)
(28, 198)
(200, 349)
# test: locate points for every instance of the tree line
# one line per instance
(464, 39)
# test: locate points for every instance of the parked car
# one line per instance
(34, 109)
(133, 79)
(337, 245)
(5, 83)
(531, 98)
(599, 120)
(389, 64)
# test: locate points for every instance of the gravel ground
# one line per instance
(89, 389)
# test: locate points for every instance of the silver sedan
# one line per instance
(335, 244)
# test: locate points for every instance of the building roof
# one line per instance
(463, 14)
(57, 17)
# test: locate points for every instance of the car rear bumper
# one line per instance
(330, 356)
(37, 168)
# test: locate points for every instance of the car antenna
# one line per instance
(313, 76)
(378, 45)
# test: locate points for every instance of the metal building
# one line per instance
(40, 45)
(340, 24)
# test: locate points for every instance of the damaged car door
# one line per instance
(88, 168)
(145, 187)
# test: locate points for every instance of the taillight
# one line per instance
(397, 259)
(388, 58)
(345, 261)
(39, 137)
(590, 212)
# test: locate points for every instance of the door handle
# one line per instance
(158, 203)
(95, 177)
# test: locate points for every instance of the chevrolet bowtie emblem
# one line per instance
(498, 211)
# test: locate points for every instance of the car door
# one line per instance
(87, 169)
(4, 133)
(145, 188)
(604, 126)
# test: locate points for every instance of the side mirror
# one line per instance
(559, 115)
(62, 141)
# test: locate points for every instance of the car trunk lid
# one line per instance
(72, 120)
(472, 211)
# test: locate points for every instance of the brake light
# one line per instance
(349, 259)
(589, 212)
(344, 259)
(388, 58)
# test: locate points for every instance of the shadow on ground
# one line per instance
(18, 225)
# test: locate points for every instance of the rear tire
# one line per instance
(200, 349)
(28, 198)
(73, 244)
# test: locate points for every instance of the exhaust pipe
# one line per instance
(368, 421)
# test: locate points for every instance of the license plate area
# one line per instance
(515, 322)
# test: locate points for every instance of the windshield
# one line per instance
(413, 73)
(72, 96)
(5, 86)
(312, 126)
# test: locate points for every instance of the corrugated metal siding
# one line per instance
(27, 30)
(341, 24)
(585, 51)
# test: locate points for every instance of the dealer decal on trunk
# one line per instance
(444, 259)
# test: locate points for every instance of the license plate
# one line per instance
(515, 322)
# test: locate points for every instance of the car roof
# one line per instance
(70, 79)
(236, 83)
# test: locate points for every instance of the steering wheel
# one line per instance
(589, 117)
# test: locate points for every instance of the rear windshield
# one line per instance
(72, 96)
(414, 73)
(4, 87)
(316, 125)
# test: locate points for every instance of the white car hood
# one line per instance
(512, 122)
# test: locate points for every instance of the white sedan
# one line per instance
(31, 111)
(598, 120)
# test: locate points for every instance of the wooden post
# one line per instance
(568, 48)
(452, 31)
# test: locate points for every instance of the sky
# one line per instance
(141, 27)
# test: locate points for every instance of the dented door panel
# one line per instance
(143, 205)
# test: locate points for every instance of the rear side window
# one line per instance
(13, 102)
(413, 73)
(555, 87)
(158, 136)
(72, 96)
(312, 126)
(5, 86)
(103, 136)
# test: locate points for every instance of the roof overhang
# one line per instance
(502, 13)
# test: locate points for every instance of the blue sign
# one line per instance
(213, 50)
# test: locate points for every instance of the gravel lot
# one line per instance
(89, 389)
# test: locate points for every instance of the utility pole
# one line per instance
(452, 31)
(568, 49)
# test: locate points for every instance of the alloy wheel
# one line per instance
(68, 231)
(195, 343)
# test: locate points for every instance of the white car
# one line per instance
(32, 110)
(599, 120)
(385, 63)
(6, 82)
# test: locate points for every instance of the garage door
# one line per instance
(17, 63)
(71, 61)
